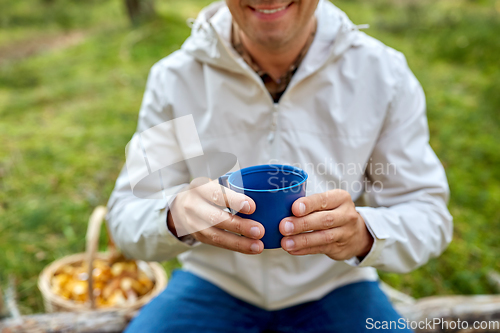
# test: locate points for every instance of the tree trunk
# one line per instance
(139, 10)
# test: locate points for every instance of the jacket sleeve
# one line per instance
(407, 187)
(138, 225)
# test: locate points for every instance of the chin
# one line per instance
(273, 40)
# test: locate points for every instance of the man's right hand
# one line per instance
(202, 205)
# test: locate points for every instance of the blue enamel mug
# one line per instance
(274, 188)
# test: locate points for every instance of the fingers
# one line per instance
(334, 252)
(224, 220)
(316, 221)
(308, 240)
(320, 201)
(332, 242)
(245, 227)
(202, 214)
(213, 192)
(226, 240)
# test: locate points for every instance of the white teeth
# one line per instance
(271, 11)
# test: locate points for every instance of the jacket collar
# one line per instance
(210, 40)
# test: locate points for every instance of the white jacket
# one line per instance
(352, 108)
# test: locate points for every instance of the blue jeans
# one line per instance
(191, 304)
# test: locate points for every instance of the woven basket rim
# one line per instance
(44, 281)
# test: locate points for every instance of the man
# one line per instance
(289, 82)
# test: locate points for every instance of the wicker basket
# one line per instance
(56, 303)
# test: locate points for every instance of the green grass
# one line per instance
(67, 113)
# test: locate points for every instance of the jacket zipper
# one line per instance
(265, 280)
(274, 124)
(272, 141)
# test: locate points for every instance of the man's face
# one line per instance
(272, 23)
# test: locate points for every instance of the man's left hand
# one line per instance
(326, 223)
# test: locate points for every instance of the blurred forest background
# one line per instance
(72, 75)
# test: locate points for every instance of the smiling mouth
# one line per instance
(271, 11)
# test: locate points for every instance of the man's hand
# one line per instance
(336, 228)
(198, 210)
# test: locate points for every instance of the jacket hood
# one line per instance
(210, 40)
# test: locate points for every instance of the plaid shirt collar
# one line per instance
(275, 88)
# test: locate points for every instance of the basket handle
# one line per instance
(92, 244)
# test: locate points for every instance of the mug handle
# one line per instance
(224, 182)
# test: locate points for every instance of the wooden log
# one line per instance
(10, 299)
(494, 280)
(447, 308)
(451, 308)
(395, 296)
(69, 322)
(3, 311)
